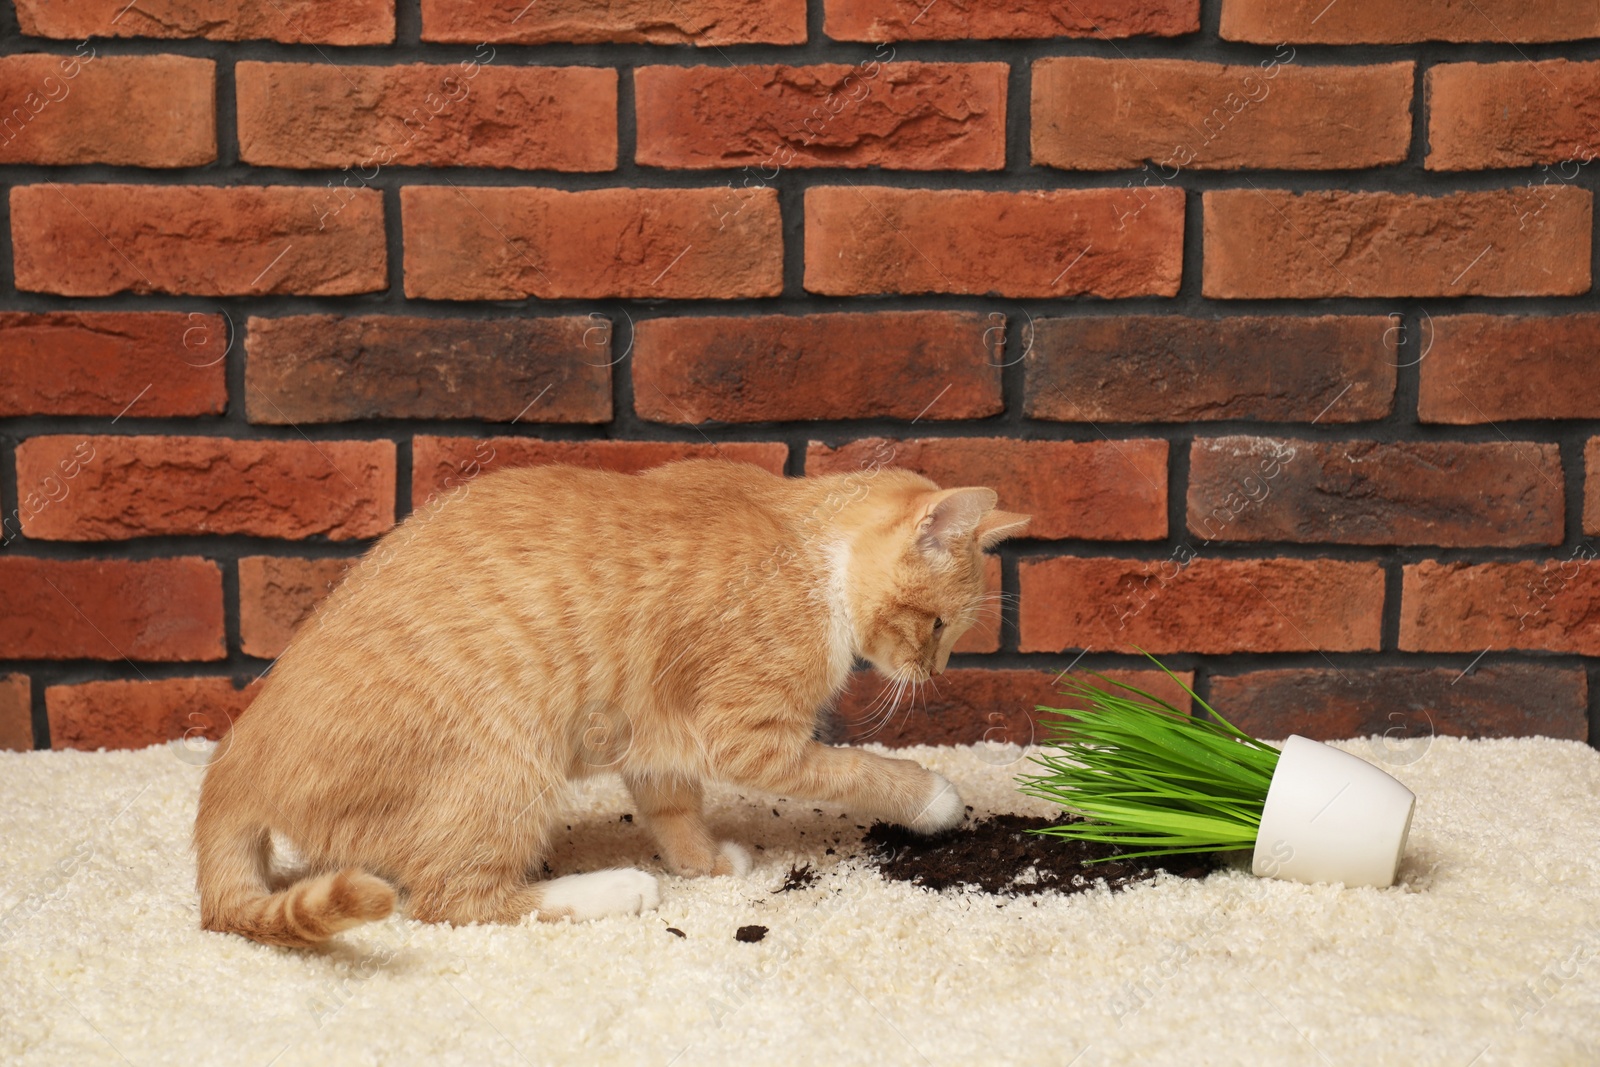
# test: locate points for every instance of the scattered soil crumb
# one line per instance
(798, 878)
(676, 932)
(999, 856)
(750, 934)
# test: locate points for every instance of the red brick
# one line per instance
(702, 23)
(95, 240)
(440, 464)
(1591, 496)
(290, 21)
(152, 486)
(16, 713)
(903, 116)
(1455, 493)
(332, 368)
(276, 593)
(61, 110)
(316, 115)
(1097, 490)
(1274, 243)
(893, 20)
(1114, 114)
(1539, 605)
(503, 244)
(936, 365)
(1163, 368)
(963, 707)
(1499, 368)
(1063, 242)
(1407, 706)
(139, 714)
(1208, 606)
(148, 364)
(1378, 22)
(150, 610)
(1483, 115)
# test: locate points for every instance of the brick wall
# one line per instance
(1277, 315)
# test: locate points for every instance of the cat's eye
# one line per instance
(938, 624)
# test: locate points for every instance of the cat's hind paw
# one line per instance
(732, 858)
(581, 897)
(941, 808)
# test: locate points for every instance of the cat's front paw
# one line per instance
(732, 858)
(941, 807)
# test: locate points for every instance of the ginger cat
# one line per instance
(547, 623)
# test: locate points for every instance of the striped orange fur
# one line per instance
(546, 623)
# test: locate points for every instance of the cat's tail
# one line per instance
(234, 898)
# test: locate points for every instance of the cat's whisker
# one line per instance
(869, 712)
(872, 712)
(917, 690)
(901, 678)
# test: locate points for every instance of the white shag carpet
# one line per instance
(1485, 953)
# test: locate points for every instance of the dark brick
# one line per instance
(332, 368)
(1164, 368)
(962, 707)
(935, 365)
(1407, 705)
(1451, 493)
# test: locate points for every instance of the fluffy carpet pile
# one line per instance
(1485, 953)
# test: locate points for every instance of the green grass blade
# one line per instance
(1146, 775)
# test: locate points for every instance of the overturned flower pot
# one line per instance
(1331, 817)
(1156, 781)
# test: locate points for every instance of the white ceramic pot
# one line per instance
(1332, 817)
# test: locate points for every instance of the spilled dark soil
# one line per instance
(798, 878)
(999, 856)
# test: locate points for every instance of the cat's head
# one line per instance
(917, 575)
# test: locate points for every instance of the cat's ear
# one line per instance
(999, 525)
(951, 516)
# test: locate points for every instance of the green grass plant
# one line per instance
(1146, 776)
